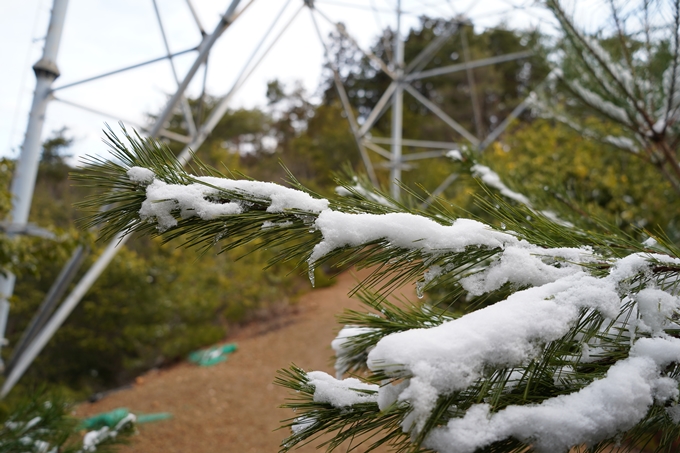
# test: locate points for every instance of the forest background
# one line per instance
(155, 304)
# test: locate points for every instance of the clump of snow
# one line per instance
(650, 242)
(491, 179)
(342, 345)
(452, 356)
(597, 412)
(203, 200)
(656, 307)
(409, 231)
(141, 175)
(525, 266)
(281, 198)
(454, 154)
(163, 199)
(341, 393)
(633, 264)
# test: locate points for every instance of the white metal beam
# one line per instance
(225, 20)
(26, 171)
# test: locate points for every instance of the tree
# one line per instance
(629, 78)
(576, 342)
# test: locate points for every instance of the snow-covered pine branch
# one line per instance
(580, 346)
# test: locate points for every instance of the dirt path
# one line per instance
(232, 406)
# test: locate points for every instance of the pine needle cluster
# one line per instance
(589, 349)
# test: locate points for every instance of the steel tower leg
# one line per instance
(23, 181)
(397, 109)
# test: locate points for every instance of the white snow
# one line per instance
(453, 355)
(341, 393)
(491, 178)
(596, 101)
(454, 154)
(525, 266)
(656, 307)
(191, 200)
(140, 174)
(342, 345)
(555, 289)
(281, 198)
(200, 200)
(403, 230)
(599, 411)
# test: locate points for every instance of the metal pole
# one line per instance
(470, 65)
(23, 182)
(223, 104)
(378, 109)
(476, 109)
(434, 108)
(184, 104)
(52, 298)
(196, 19)
(397, 109)
(346, 106)
(127, 68)
(61, 314)
(203, 51)
(33, 349)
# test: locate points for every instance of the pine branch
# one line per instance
(570, 317)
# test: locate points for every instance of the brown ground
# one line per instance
(232, 406)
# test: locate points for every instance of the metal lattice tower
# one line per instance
(45, 324)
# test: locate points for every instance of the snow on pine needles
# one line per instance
(579, 346)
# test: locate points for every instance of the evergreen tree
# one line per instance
(539, 331)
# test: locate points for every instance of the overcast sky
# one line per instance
(103, 35)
